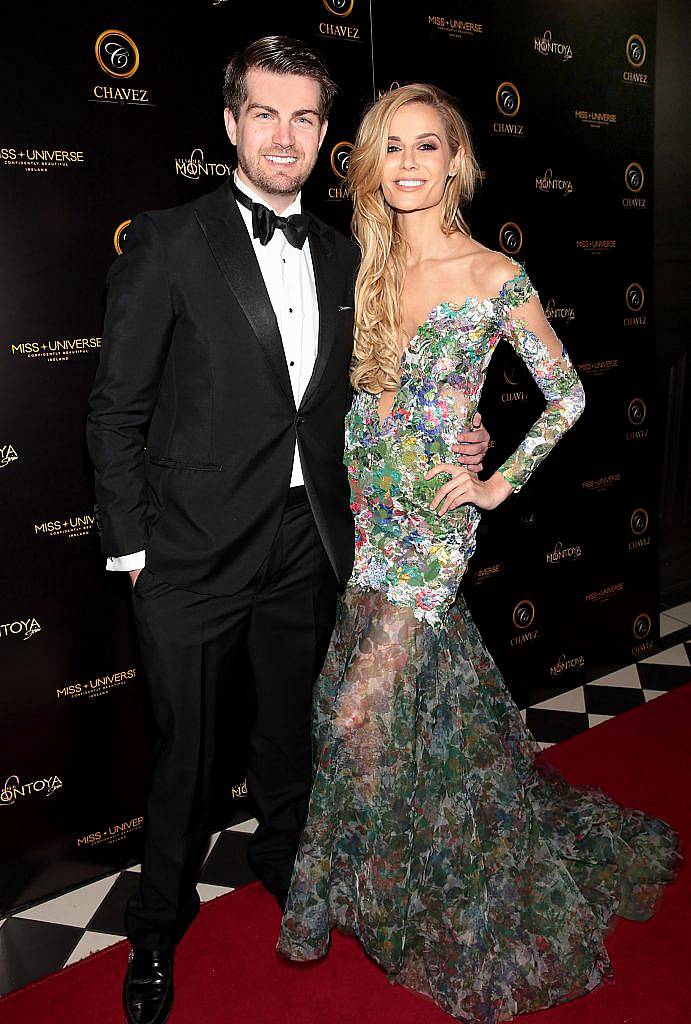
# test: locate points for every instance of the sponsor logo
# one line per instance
(8, 454)
(523, 618)
(561, 313)
(548, 183)
(40, 160)
(604, 594)
(510, 238)
(341, 8)
(194, 167)
(641, 628)
(336, 29)
(392, 88)
(487, 572)
(55, 350)
(642, 625)
(635, 301)
(120, 235)
(239, 790)
(566, 663)
(634, 178)
(523, 614)
(570, 553)
(96, 687)
(119, 94)
(74, 526)
(455, 28)
(595, 118)
(23, 628)
(637, 413)
(513, 375)
(547, 46)
(117, 55)
(636, 53)
(597, 367)
(596, 245)
(508, 101)
(13, 790)
(639, 523)
(340, 158)
(111, 833)
(602, 483)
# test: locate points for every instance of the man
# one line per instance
(226, 350)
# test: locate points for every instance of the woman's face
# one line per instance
(418, 160)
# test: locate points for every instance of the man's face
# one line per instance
(277, 133)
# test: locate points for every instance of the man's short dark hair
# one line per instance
(283, 56)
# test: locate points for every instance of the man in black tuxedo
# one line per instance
(216, 428)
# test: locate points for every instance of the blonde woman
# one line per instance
(435, 833)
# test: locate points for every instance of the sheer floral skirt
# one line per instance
(467, 866)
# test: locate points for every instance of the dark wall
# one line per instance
(673, 294)
(564, 580)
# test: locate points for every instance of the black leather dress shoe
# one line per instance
(147, 994)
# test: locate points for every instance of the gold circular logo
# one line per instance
(508, 99)
(117, 53)
(635, 297)
(642, 625)
(120, 235)
(637, 411)
(340, 158)
(636, 50)
(512, 375)
(523, 614)
(341, 8)
(634, 177)
(510, 238)
(639, 521)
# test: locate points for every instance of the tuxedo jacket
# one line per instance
(192, 422)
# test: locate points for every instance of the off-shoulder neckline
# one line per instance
(457, 307)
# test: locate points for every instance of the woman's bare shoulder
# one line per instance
(489, 270)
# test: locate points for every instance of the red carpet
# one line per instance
(227, 970)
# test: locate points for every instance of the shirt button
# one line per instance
(292, 362)
(290, 309)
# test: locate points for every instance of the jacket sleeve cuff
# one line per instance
(126, 563)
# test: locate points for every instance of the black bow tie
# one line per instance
(265, 221)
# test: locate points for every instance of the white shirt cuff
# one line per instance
(126, 563)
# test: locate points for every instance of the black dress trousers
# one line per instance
(193, 646)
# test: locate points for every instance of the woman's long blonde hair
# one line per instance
(377, 353)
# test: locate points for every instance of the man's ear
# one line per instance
(231, 125)
(322, 132)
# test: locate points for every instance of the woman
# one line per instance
(468, 869)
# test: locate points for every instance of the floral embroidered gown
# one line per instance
(469, 870)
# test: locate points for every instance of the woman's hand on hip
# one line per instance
(464, 488)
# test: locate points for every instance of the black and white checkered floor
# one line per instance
(60, 931)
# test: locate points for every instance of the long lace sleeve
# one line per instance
(524, 325)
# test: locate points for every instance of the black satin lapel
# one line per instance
(232, 249)
(322, 251)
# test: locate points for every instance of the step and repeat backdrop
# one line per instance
(116, 111)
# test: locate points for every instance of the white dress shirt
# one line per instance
(289, 278)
